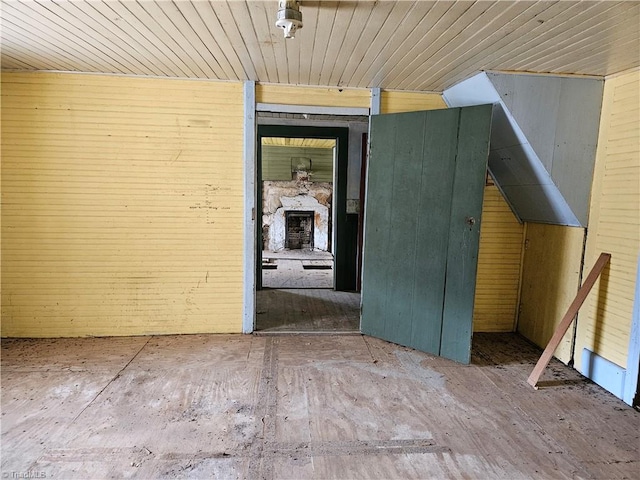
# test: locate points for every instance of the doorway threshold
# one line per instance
(307, 310)
(268, 333)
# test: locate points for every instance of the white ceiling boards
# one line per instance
(407, 45)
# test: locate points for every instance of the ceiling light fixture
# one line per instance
(289, 17)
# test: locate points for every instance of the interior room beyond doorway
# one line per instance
(299, 183)
(297, 205)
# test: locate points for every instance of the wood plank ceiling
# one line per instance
(406, 45)
(299, 142)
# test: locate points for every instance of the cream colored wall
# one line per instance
(316, 96)
(122, 205)
(614, 225)
(396, 102)
(499, 257)
(550, 281)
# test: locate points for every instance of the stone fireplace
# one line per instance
(296, 215)
(308, 205)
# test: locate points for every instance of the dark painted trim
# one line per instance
(345, 267)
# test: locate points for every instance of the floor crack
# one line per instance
(110, 382)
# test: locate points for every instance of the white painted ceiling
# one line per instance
(407, 45)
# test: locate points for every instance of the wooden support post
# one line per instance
(584, 290)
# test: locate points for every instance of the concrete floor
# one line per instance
(233, 406)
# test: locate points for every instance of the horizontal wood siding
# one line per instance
(397, 102)
(614, 225)
(499, 260)
(122, 205)
(276, 162)
(316, 96)
(550, 281)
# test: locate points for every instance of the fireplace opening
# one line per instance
(299, 230)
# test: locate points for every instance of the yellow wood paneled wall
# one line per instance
(122, 205)
(316, 96)
(550, 281)
(397, 102)
(276, 162)
(499, 261)
(614, 224)
(500, 254)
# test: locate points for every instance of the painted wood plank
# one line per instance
(357, 22)
(232, 13)
(446, 29)
(12, 61)
(397, 16)
(105, 12)
(375, 20)
(178, 39)
(464, 232)
(403, 248)
(27, 49)
(67, 35)
(153, 50)
(378, 213)
(188, 18)
(142, 22)
(529, 39)
(606, 320)
(585, 20)
(514, 16)
(33, 48)
(310, 20)
(316, 96)
(572, 311)
(341, 31)
(269, 38)
(381, 65)
(120, 230)
(406, 266)
(326, 17)
(420, 39)
(228, 29)
(432, 216)
(499, 260)
(112, 44)
(550, 280)
(345, 44)
(397, 102)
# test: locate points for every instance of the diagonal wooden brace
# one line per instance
(581, 296)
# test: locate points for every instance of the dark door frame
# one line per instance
(344, 267)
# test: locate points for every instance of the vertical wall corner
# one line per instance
(249, 154)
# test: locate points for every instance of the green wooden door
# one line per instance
(422, 228)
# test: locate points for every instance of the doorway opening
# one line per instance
(297, 204)
(306, 259)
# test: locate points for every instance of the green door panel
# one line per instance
(426, 171)
(464, 232)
